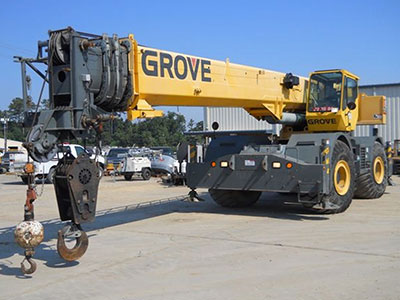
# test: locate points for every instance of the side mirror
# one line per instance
(351, 105)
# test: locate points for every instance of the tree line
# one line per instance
(163, 131)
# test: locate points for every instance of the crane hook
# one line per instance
(82, 243)
(32, 264)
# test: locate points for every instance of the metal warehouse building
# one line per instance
(238, 119)
(390, 131)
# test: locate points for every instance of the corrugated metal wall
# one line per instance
(233, 118)
(238, 119)
(390, 131)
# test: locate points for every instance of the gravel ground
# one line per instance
(172, 249)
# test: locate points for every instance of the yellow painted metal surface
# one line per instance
(173, 79)
(342, 119)
(164, 78)
(372, 110)
(379, 170)
(342, 177)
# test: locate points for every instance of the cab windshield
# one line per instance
(325, 92)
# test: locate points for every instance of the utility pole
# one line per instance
(5, 121)
(24, 85)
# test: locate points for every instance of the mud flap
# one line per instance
(313, 196)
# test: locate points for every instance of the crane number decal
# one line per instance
(161, 63)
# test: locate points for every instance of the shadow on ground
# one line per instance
(19, 182)
(270, 205)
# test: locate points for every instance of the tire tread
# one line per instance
(366, 187)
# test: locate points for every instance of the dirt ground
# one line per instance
(171, 249)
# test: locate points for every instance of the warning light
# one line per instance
(289, 165)
(224, 164)
(213, 164)
(276, 165)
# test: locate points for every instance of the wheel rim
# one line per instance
(379, 170)
(342, 177)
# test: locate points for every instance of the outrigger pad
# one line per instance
(76, 184)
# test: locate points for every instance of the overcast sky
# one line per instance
(286, 36)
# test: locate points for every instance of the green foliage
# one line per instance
(192, 126)
(164, 131)
(16, 109)
(15, 115)
(199, 126)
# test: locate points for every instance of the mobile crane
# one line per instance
(315, 155)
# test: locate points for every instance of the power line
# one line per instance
(6, 57)
(13, 48)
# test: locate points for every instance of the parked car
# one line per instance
(114, 157)
(46, 171)
(13, 159)
(165, 164)
(164, 150)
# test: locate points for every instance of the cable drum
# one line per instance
(116, 83)
(59, 47)
(100, 63)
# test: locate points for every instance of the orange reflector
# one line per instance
(289, 165)
(213, 164)
(29, 168)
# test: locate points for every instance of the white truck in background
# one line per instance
(145, 162)
(13, 160)
(135, 165)
(45, 171)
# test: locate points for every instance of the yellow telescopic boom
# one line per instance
(173, 79)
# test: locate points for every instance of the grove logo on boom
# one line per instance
(181, 67)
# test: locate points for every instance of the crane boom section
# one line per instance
(168, 78)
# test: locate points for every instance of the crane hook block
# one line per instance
(76, 183)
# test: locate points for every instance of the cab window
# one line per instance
(350, 91)
(325, 92)
(64, 149)
(79, 150)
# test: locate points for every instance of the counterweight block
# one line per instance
(76, 183)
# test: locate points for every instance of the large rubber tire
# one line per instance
(229, 198)
(372, 184)
(146, 174)
(343, 180)
(51, 175)
(128, 177)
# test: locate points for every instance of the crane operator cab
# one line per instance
(332, 101)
